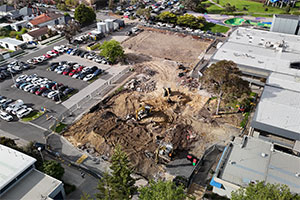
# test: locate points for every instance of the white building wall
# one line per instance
(26, 37)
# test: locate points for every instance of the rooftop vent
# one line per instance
(243, 143)
(232, 162)
(264, 155)
(297, 174)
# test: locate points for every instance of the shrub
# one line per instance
(12, 34)
(266, 9)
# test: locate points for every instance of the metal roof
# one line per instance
(12, 163)
(278, 112)
(261, 50)
(258, 161)
(35, 185)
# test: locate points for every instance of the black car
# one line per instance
(2, 76)
(53, 67)
(34, 89)
(6, 73)
(83, 53)
(45, 93)
(83, 74)
(78, 53)
(62, 88)
(68, 91)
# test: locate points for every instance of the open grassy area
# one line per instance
(59, 127)
(212, 8)
(215, 28)
(254, 7)
(32, 116)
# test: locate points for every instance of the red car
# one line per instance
(79, 69)
(40, 91)
(74, 71)
(67, 71)
(54, 51)
(47, 56)
(56, 86)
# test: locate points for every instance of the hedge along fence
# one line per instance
(96, 46)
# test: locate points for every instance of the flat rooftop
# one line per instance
(278, 111)
(12, 163)
(35, 185)
(262, 50)
(12, 41)
(257, 161)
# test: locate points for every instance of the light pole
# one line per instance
(40, 150)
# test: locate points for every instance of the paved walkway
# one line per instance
(211, 1)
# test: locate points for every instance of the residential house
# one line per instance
(35, 34)
(28, 13)
(14, 15)
(47, 19)
(5, 9)
(12, 44)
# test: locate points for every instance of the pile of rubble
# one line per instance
(142, 82)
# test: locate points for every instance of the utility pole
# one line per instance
(12, 76)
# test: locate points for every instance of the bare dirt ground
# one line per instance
(186, 121)
(167, 46)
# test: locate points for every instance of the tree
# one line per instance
(84, 14)
(287, 8)
(69, 30)
(111, 4)
(262, 191)
(190, 4)
(54, 169)
(112, 50)
(191, 21)
(162, 190)
(167, 17)
(120, 185)
(23, 30)
(224, 80)
(144, 12)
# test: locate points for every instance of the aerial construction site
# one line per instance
(160, 111)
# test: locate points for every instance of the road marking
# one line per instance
(81, 159)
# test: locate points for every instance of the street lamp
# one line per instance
(40, 150)
(12, 76)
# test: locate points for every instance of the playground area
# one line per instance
(240, 21)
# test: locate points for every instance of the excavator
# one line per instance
(142, 112)
(164, 152)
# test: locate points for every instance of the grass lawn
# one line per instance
(59, 127)
(212, 8)
(254, 7)
(69, 95)
(215, 28)
(32, 116)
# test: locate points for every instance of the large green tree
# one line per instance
(84, 14)
(167, 17)
(69, 30)
(54, 169)
(262, 191)
(144, 12)
(191, 21)
(162, 190)
(120, 185)
(224, 80)
(112, 50)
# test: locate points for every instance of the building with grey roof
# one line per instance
(12, 44)
(286, 24)
(259, 53)
(248, 160)
(20, 180)
(5, 9)
(278, 111)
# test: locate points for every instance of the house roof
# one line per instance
(26, 11)
(14, 14)
(12, 41)
(44, 18)
(6, 8)
(38, 32)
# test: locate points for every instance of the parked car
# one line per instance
(45, 93)
(24, 112)
(68, 91)
(98, 72)
(88, 77)
(34, 89)
(52, 94)
(40, 91)
(5, 116)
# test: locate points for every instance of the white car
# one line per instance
(5, 116)
(31, 77)
(18, 108)
(51, 53)
(88, 77)
(61, 69)
(52, 94)
(23, 112)
(65, 48)
(22, 78)
(27, 88)
(76, 75)
(86, 69)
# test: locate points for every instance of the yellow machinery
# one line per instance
(142, 112)
(164, 152)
